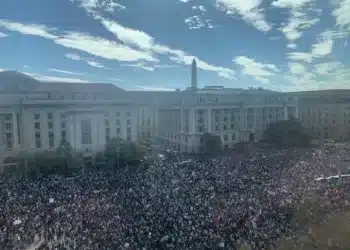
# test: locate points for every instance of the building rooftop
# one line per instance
(13, 81)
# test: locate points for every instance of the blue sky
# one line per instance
(282, 45)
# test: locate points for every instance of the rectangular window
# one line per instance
(128, 137)
(50, 125)
(37, 135)
(117, 122)
(118, 131)
(128, 114)
(106, 122)
(51, 140)
(117, 114)
(233, 137)
(63, 135)
(128, 130)
(36, 116)
(85, 132)
(9, 140)
(128, 122)
(63, 125)
(8, 126)
(37, 140)
(108, 134)
(37, 125)
(8, 117)
(49, 116)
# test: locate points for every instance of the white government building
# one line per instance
(38, 115)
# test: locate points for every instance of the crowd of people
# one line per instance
(163, 204)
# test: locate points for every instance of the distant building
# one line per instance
(36, 116)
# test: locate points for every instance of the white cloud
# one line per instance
(199, 7)
(77, 57)
(100, 5)
(334, 34)
(290, 3)
(127, 35)
(291, 45)
(2, 35)
(46, 78)
(297, 23)
(96, 46)
(164, 66)
(65, 72)
(249, 10)
(74, 57)
(95, 64)
(153, 88)
(326, 67)
(300, 56)
(102, 47)
(139, 65)
(302, 82)
(260, 71)
(198, 22)
(296, 68)
(144, 41)
(341, 13)
(322, 48)
(185, 1)
(28, 29)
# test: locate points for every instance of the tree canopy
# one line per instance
(210, 144)
(121, 152)
(287, 133)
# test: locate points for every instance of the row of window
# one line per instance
(118, 133)
(8, 131)
(117, 122)
(118, 113)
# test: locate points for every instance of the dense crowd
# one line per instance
(194, 204)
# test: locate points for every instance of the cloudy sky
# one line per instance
(148, 44)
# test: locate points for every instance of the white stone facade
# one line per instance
(34, 125)
(234, 117)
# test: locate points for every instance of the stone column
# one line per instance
(182, 120)
(285, 113)
(210, 120)
(15, 131)
(242, 123)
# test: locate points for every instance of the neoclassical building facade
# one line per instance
(37, 115)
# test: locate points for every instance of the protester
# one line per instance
(211, 204)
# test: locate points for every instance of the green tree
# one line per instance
(210, 144)
(287, 133)
(119, 152)
(63, 161)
